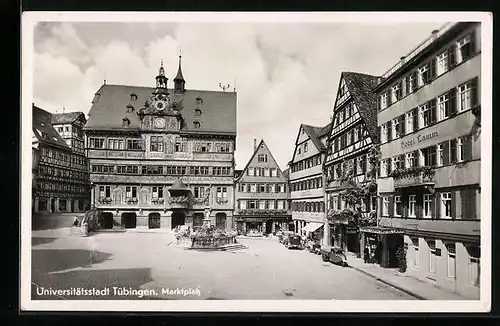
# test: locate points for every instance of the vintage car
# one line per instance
(293, 241)
(334, 255)
(315, 248)
(283, 236)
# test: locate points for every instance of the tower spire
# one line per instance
(161, 78)
(179, 81)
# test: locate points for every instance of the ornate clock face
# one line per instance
(160, 123)
(160, 105)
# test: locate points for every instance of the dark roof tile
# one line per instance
(43, 129)
(69, 117)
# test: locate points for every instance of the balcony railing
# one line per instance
(412, 177)
(262, 212)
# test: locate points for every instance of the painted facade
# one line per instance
(262, 196)
(430, 134)
(143, 143)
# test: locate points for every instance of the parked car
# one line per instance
(334, 255)
(315, 248)
(283, 236)
(293, 241)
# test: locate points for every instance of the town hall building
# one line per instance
(161, 156)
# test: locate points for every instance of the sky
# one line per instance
(285, 74)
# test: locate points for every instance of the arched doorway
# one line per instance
(154, 221)
(106, 220)
(197, 220)
(52, 205)
(129, 220)
(269, 226)
(178, 218)
(220, 221)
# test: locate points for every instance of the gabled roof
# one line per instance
(253, 155)
(43, 129)
(218, 108)
(361, 87)
(286, 173)
(315, 134)
(69, 117)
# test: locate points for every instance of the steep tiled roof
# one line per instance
(109, 107)
(361, 87)
(315, 134)
(43, 129)
(68, 117)
(286, 174)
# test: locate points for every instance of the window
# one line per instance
(305, 147)
(349, 138)
(196, 125)
(156, 144)
(252, 204)
(427, 208)
(262, 204)
(451, 261)
(266, 172)
(383, 133)
(474, 264)
(439, 155)
(464, 48)
(398, 206)
(250, 172)
(134, 143)
(96, 142)
(446, 205)
(396, 92)
(460, 151)
(271, 204)
(281, 204)
(157, 192)
(385, 206)
(432, 255)
(105, 191)
(397, 163)
(262, 158)
(467, 95)
(430, 156)
(131, 192)
(412, 201)
(423, 75)
(442, 63)
(181, 144)
(222, 193)
(383, 101)
(116, 144)
(446, 105)
(411, 83)
(253, 187)
(427, 113)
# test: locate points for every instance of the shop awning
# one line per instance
(312, 226)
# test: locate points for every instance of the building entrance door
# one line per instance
(154, 221)
(106, 220)
(178, 218)
(269, 227)
(129, 220)
(220, 221)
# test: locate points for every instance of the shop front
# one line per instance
(261, 226)
(381, 245)
(314, 231)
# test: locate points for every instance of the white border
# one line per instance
(28, 23)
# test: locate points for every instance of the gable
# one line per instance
(262, 151)
(302, 135)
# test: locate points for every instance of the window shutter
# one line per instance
(389, 98)
(389, 167)
(391, 206)
(404, 202)
(418, 206)
(379, 135)
(446, 152)
(464, 201)
(432, 72)
(416, 156)
(415, 119)
(433, 207)
(402, 160)
(378, 103)
(467, 147)
(381, 205)
(453, 205)
(452, 58)
(438, 205)
(389, 131)
(402, 125)
(453, 144)
(453, 101)
(433, 108)
(474, 91)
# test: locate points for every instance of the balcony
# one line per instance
(179, 202)
(413, 177)
(262, 212)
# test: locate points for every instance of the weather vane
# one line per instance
(224, 87)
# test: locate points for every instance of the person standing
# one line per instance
(366, 254)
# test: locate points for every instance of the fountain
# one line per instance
(210, 238)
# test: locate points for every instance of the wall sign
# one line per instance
(418, 139)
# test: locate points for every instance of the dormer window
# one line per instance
(42, 124)
(199, 101)
(197, 112)
(130, 108)
(196, 124)
(55, 139)
(133, 97)
(125, 122)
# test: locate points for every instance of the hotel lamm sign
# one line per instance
(418, 139)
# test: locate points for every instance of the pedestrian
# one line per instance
(75, 221)
(366, 254)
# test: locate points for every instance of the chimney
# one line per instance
(254, 144)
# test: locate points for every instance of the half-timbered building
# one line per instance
(60, 179)
(353, 133)
(161, 156)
